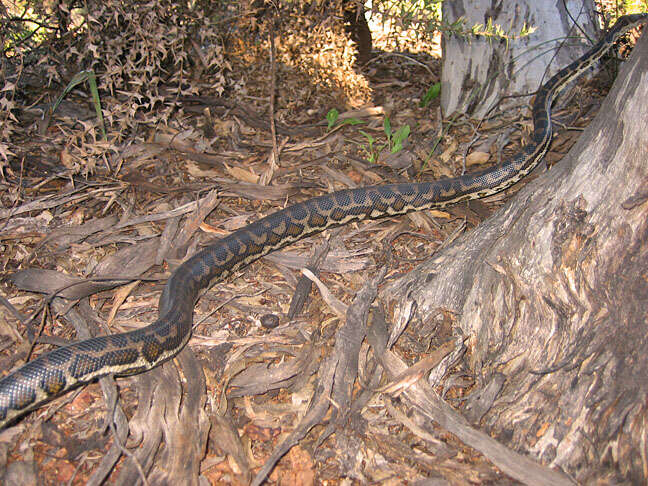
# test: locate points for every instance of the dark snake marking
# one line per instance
(133, 352)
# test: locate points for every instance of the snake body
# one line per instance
(58, 371)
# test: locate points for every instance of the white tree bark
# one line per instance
(478, 71)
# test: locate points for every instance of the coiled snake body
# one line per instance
(133, 352)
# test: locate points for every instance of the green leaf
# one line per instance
(332, 117)
(432, 92)
(92, 81)
(369, 138)
(399, 137)
(79, 78)
(351, 121)
(387, 127)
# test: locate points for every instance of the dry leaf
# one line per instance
(194, 170)
(120, 296)
(435, 213)
(242, 174)
(476, 158)
(66, 159)
(447, 153)
(208, 228)
(222, 127)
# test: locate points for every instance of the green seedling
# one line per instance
(333, 115)
(432, 93)
(369, 149)
(79, 78)
(395, 140)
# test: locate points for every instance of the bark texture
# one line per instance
(552, 294)
(479, 70)
(356, 25)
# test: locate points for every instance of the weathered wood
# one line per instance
(551, 293)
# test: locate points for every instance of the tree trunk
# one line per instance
(479, 70)
(357, 26)
(552, 294)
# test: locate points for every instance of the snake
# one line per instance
(56, 372)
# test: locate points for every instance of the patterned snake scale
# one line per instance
(58, 371)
